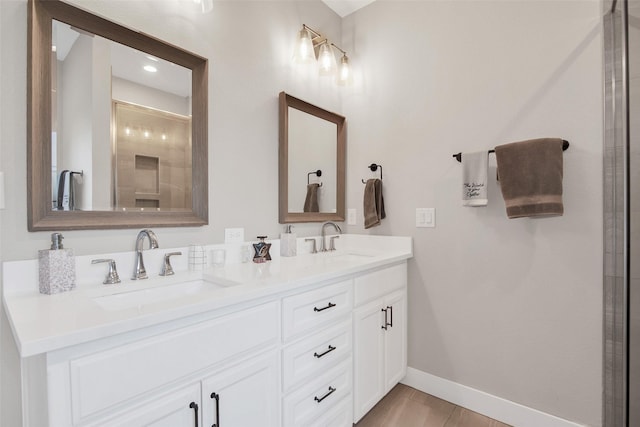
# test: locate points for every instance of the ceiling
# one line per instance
(345, 7)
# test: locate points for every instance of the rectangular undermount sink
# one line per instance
(142, 297)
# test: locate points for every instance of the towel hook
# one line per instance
(317, 173)
(374, 167)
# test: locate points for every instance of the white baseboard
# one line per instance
(484, 403)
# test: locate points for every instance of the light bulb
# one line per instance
(326, 60)
(207, 6)
(344, 72)
(304, 53)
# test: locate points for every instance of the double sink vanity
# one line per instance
(310, 340)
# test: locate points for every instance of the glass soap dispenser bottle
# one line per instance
(57, 267)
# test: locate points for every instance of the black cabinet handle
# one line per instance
(194, 406)
(331, 348)
(386, 323)
(390, 308)
(216, 396)
(317, 310)
(320, 399)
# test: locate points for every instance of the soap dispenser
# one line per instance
(261, 250)
(288, 243)
(57, 267)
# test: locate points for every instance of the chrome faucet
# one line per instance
(139, 271)
(323, 246)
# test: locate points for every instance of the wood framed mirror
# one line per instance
(148, 210)
(312, 158)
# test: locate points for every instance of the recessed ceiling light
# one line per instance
(150, 68)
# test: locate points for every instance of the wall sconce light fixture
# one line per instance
(313, 46)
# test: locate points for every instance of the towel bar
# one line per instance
(565, 146)
(373, 168)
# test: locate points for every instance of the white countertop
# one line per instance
(43, 323)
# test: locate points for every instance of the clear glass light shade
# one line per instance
(344, 71)
(304, 53)
(206, 5)
(326, 60)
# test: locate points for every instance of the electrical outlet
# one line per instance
(425, 217)
(351, 217)
(234, 235)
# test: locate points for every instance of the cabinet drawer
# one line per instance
(308, 403)
(339, 416)
(315, 308)
(104, 379)
(313, 356)
(374, 285)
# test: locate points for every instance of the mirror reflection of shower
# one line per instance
(90, 73)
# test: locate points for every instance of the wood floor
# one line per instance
(408, 407)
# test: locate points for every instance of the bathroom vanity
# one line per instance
(312, 340)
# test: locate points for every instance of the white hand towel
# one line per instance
(474, 178)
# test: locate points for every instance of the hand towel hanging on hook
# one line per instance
(311, 203)
(373, 202)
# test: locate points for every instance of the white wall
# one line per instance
(509, 307)
(126, 90)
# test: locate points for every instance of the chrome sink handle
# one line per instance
(332, 242)
(112, 275)
(167, 270)
(313, 247)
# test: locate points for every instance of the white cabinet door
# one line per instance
(243, 395)
(395, 345)
(368, 344)
(177, 409)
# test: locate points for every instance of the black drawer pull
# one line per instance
(216, 396)
(194, 406)
(390, 308)
(320, 399)
(317, 310)
(331, 348)
(386, 323)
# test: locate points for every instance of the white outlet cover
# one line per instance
(234, 235)
(351, 216)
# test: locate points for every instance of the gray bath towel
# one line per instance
(373, 203)
(311, 201)
(530, 175)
